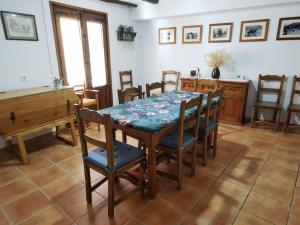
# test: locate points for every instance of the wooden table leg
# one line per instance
(73, 133)
(22, 149)
(151, 169)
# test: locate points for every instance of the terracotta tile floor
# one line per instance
(253, 180)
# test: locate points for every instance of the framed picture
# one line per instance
(220, 32)
(289, 28)
(254, 30)
(167, 35)
(192, 34)
(18, 26)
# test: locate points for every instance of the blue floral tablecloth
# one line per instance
(151, 114)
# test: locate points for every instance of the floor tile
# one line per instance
(49, 216)
(248, 219)
(249, 164)
(279, 173)
(26, 206)
(99, 216)
(230, 192)
(75, 204)
(213, 209)
(134, 222)
(183, 199)
(296, 198)
(60, 155)
(284, 161)
(288, 141)
(294, 217)
(134, 204)
(261, 144)
(266, 208)
(34, 165)
(48, 175)
(158, 212)
(73, 164)
(290, 152)
(213, 167)
(9, 174)
(58, 189)
(15, 190)
(193, 220)
(239, 177)
(273, 189)
(3, 220)
(202, 181)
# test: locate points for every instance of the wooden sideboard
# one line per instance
(31, 110)
(235, 92)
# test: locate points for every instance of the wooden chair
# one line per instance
(209, 124)
(127, 95)
(88, 98)
(174, 144)
(171, 82)
(155, 86)
(111, 158)
(293, 108)
(260, 104)
(206, 85)
(126, 79)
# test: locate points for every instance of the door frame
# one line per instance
(106, 43)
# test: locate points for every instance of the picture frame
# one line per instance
(220, 32)
(288, 28)
(167, 35)
(192, 34)
(19, 26)
(254, 30)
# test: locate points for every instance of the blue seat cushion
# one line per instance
(170, 140)
(211, 125)
(123, 154)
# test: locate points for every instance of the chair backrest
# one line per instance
(154, 86)
(206, 85)
(213, 105)
(126, 79)
(191, 123)
(87, 115)
(270, 78)
(172, 82)
(295, 91)
(129, 94)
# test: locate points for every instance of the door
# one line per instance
(83, 50)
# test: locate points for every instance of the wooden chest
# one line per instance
(25, 111)
(235, 92)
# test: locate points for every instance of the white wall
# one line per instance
(37, 60)
(270, 57)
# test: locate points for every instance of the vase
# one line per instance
(215, 74)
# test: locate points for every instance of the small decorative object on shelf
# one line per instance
(126, 33)
(56, 82)
(217, 59)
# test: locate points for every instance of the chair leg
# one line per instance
(278, 114)
(98, 127)
(88, 188)
(179, 171)
(253, 117)
(194, 160)
(142, 177)
(124, 137)
(205, 150)
(111, 196)
(287, 122)
(215, 142)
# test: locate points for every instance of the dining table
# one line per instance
(148, 119)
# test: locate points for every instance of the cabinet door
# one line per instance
(232, 110)
(188, 85)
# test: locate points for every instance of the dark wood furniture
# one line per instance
(166, 75)
(206, 85)
(89, 98)
(293, 108)
(235, 98)
(28, 111)
(126, 79)
(261, 104)
(209, 124)
(174, 144)
(155, 86)
(111, 158)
